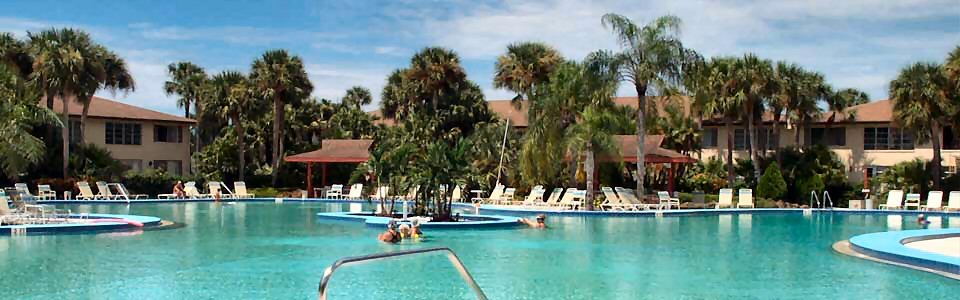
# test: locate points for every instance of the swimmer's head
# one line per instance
(541, 218)
(392, 225)
(415, 222)
(404, 227)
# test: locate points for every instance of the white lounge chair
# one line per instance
(335, 192)
(44, 192)
(507, 196)
(934, 201)
(611, 200)
(86, 193)
(380, 193)
(953, 201)
(24, 190)
(535, 197)
(218, 188)
(125, 194)
(103, 191)
(191, 191)
(745, 198)
(494, 196)
(457, 195)
(629, 199)
(554, 199)
(725, 198)
(571, 199)
(356, 191)
(894, 200)
(666, 201)
(240, 190)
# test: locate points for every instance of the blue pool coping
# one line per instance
(891, 246)
(147, 221)
(381, 222)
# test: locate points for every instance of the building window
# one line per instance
(135, 165)
(764, 136)
(886, 138)
(174, 167)
(709, 138)
(167, 134)
(122, 134)
(827, 136)
(75, 132)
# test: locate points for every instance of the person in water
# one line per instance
(539, 223)
(178, 190)
(922, 220)
(415, 231)
(405, 231)
(391, 235)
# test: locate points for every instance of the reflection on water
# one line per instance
(894, 222)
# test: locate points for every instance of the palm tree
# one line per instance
(921, 106)
(524, 66)
(804, 109)
(281, 77)
(952, 68)
(20, 114)
(756, 83)
(64, 61)
(790, 85)
(591, 136)
(652, 59)
(112, 75)
(234, 98)
(434, 72)
(188, 81)
(841, 100)
(14, 53)
(357, 97)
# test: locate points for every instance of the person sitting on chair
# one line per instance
(178, 190)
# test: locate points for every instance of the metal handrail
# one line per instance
(826, 198)
(328, 273)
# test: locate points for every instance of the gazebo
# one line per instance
(332, 151)
(653, 154)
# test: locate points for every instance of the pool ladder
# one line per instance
(454, 260)
(826, 198)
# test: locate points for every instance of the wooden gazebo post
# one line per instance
(309, 180)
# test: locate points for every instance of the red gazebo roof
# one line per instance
(336, 151)
(653, 153)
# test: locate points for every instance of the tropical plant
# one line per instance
(64, 60)
(110, 73)
(652, 59)
(715, 97)
(806, 108)
(439, 164)
(234, 98)
(15, 55)
(92, 161)
(771, 185)
(357, 97)
(189, 82)
(281, 77)
(20, 113)
(911, 176)
(524, 66)
(589, 137)
(921, 106)
(755, 83)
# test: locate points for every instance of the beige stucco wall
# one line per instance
(852, 154)
(148, 150)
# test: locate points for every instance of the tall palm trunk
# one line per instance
(589, 166)
(728, 123)
(83, 120)
(241, 146)
(776, 138)
(935, 133)
(641, 137)
(198, 143)
(277, 143)
(65, 133)
(752, 137)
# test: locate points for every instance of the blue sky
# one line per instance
(855, 43)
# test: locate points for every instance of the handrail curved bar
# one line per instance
(328, 273)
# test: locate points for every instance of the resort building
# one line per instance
(140, 138)
(868, 143)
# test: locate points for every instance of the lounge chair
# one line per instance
(570, 199)
(554, 199)
(125, 194)
(335, 192)
(103, 191)
(191, 191)
(44, 192)
(494, 196)
(629, 199)
(612, 201)
(725, 198)
(745, 198)
(934, 201)
(953, 201)
(894, 200)
(24, 190)
(535, 197)
(217, 188)
(507, 196)
(356, 191)
(240, 190)
(666, 201)
(457, 195)
(86, 193)
(380, 193)
(8, 216)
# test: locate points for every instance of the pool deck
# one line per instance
(894, 247)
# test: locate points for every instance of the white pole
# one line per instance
(502, 147)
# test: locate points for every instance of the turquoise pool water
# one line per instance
(279, 251)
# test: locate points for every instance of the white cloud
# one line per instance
(244, 35)
(332, 81)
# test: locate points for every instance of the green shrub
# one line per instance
(151, 182)
(810, 184)
(772, 185)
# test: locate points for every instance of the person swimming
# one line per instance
(539, 223)
(415, 231)
(405, 231)
(391, 235)
(922, 220)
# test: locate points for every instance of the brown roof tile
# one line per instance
(104, 108)
(333, 150)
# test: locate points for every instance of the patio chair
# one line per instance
(507, 196)
(725, 198)
(125, 194)
(934, 201)
(953, 201)
(356, 191)
(380, 193)
(554, 199)
(495, 195)
(24, 190)
(86, 193)
(667, 201)
(217, 188)
(457, 195)
(44, 192)
(629, 199)
(894, 200)
(612, 202)
(8, 216)
(745, 198)
(570, 199)
(535, 197)
(191, 191)
(240, 190)
(335, 192)
(103, 191)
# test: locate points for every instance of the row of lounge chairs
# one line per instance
(24, 213)
(117, 191)
(895, 200)
(355, 192)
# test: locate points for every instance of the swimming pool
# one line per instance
(278, 251)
